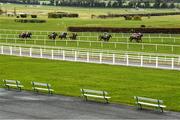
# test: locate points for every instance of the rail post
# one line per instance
(172, 63)
(127, 60)
(10, 48)
(141, 61)
(20, 51)
(2, 52)
(52, 54)
(114, 58)
(156, 62)
(75, 55)
(30, 52)
(41, 53)
(87, 57)
(63, 55)
(100, 58)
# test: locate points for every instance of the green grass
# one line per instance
(121, 82)
(62, 24)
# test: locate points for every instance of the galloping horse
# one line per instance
(52, 35)
(105, 37)
(25, 35)
(136, 36)
(73, 36)
(63, 35)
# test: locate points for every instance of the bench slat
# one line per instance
(43, 89)
(149, 99)
(94, 91)
(96, 96)
(150, 104)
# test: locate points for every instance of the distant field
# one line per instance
(121, 82)
(84, 12)
(85, 20)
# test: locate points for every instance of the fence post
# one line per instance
(101, 44)
(20, 51)
(142, 46)
(75, 55)
(77, 43)
(127, 45)
(141, 61)
(52, 54)
(127, 60)
(90, 44)
(30, 52)
(162, 40)
(87, 56)
(41, 53)
(115, 45)
(172, 48)
(156, 47)
(172, 63)
(63, 55)
(2, 52)
(100, 57)
(10, 48)
(114, 59)
(156, 62)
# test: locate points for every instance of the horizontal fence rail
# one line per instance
(163, 62)
(149, 39)
(38, 32)
(91, 44)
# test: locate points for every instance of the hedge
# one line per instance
(30, 20)
(23, 15)
(62, 14)
(33, 16)
(142, 15)
(124, 30)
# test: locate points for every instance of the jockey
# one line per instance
(105, 34)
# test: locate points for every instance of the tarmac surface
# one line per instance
(29, 105)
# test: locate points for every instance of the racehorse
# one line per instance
(52, 35)
(63, 35)
(73, 36)
(25, 35)
(105, 38)
(136, 36)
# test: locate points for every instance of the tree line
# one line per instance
(104, 3)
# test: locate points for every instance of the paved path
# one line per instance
(28, 105)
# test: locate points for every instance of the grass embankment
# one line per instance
(121, 82)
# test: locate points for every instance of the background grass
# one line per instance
(67, 77)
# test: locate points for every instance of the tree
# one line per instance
(157, 4)
(172, 5)
(164, 5)
(147, 4)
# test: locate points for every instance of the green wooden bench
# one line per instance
(95, 94)
(158, 104)
(13, 84)
(37, 86)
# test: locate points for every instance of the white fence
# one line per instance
(115, 38)
(90, 57)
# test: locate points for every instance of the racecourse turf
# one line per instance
(68, 77)
(121, 82)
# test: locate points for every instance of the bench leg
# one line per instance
(161, 109)
(85, 97)
(19, 88)
(139, 106)
(106, 100)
